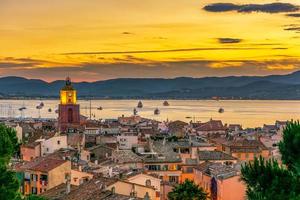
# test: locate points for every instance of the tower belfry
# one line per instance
(68, 110)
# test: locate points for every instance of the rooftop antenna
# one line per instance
(90, 108)
(90, 105)
(22, 111)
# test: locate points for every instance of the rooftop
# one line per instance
(126, 156)
(217, 170)
(212, 125)
(214, 155)
(42, 164)
(91, 190)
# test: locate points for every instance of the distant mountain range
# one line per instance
(232, 87)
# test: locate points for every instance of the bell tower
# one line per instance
(68, 110)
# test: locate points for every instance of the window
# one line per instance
(27, 176)
(173, 167)
(70, 115)
(58, 142)
(43, 177)
(33, 190)
(153, 167)
(189, 170)
(148, 183)
(165, 168)
(173, 179)
(34, 177)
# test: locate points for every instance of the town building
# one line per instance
(42, 174)
(68, 110)
(127, 140)
(30, 151)
(220, 181)
(246, 150)
(210, 128)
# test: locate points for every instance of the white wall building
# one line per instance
(127, 141)
(53, 144)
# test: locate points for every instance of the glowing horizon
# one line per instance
(98, 40)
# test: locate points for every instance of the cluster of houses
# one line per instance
(132, 157)
(137, 158)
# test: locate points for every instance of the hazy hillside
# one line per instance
(268, 87)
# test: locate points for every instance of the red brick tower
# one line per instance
(68, 110)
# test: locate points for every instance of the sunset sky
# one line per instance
(103, 39)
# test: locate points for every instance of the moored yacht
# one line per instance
(140, 104)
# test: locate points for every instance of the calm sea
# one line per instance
(248, 113)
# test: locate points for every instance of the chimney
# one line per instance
(133, 192)
(110, 172)
(197, 157)
(68, 182)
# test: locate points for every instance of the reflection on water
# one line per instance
(247, 113)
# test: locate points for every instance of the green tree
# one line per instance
(187, 191)
(267, 180)
(9, 185)
(13, 137)
(290, 146)
(6, 147)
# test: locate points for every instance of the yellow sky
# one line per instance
(52, 38)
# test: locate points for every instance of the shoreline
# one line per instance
(150, 99)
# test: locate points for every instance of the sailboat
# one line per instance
(99, 108)
(166, 103)
(140, 104)
(22, 108)
(156, 111)
(221, 110)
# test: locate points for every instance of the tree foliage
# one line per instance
(6, 147)
(9, 185)
(290, 146)
(187, 191)
(267, 180)
(9, 144)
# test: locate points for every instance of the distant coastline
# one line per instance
(143, 98)
(274, 87)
